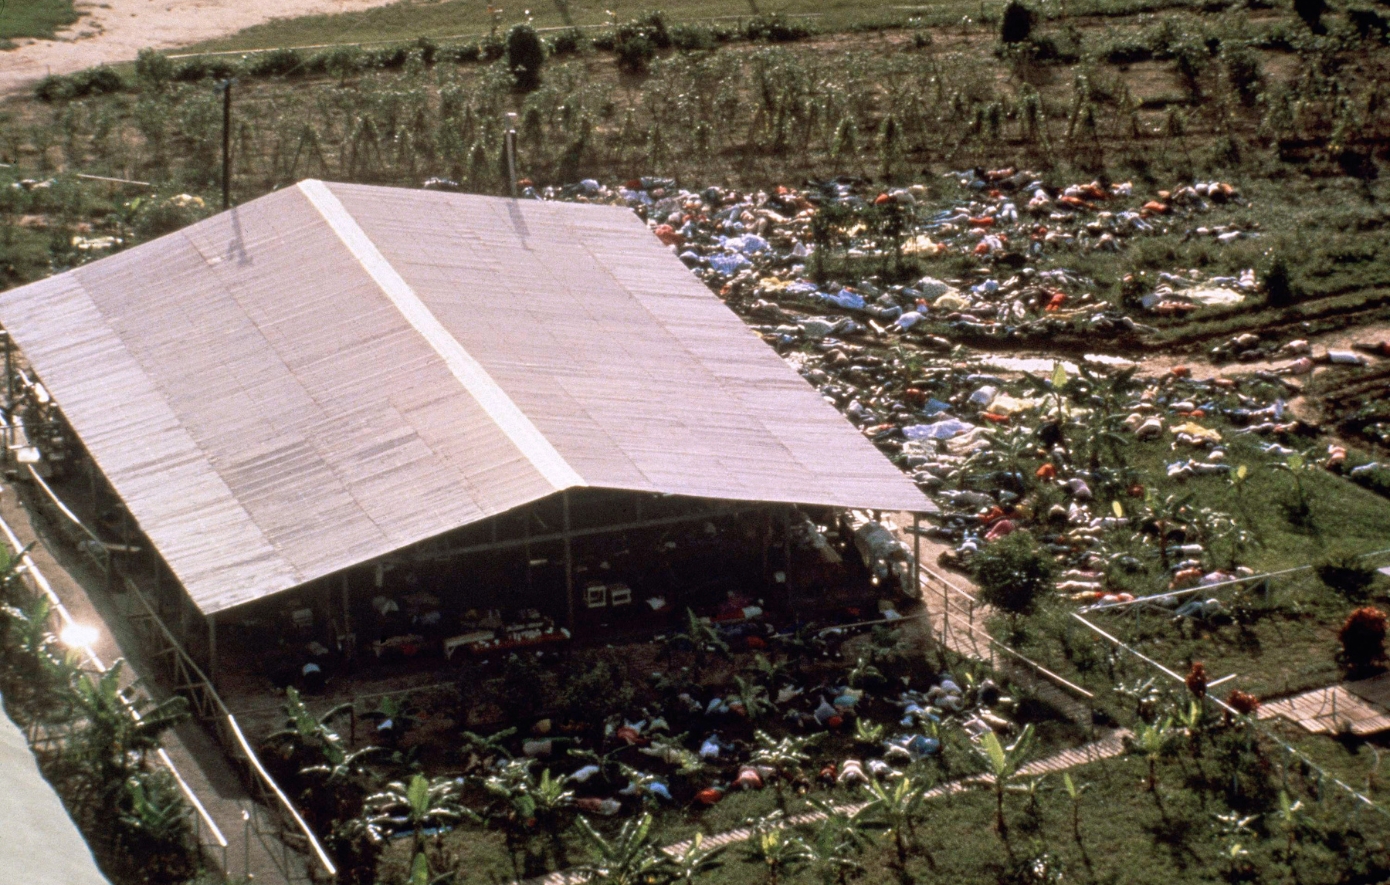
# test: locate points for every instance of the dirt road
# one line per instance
(111, 31)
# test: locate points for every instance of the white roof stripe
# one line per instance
(469, 372)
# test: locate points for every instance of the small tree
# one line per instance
(1013, 572)
(1002, 764)
(1363, 640)
(1280, 290)
(1311, 12)
(1016, 25)
(525, 56)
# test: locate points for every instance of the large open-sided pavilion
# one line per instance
(335, 387)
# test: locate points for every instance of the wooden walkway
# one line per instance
(1356, 707)
(1107, 747)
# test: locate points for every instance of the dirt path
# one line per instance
(112, 31)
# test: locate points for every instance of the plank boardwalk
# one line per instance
(1334, 709)
(1107, 747)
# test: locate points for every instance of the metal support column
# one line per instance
(569, 559)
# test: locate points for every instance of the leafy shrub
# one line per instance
(463, 53)
(195, 69)
(492, 48)
(694, 37)
(1243, 72)
(1368, 21)
(1016, 25)
(429, 50)
(522, 677)
(570, 41)
(1013, 572)
(340, 61)
(1311, 11)
(774, 29)
(152, 217)
(525, 56)
(1346, 573)
(276, 63)
(93, 81)
(635, 54)
(1363, 639)
(152, 69)
(390, 57)
(1280, 290)
(593, 693)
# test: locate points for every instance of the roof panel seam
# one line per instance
(505, 413)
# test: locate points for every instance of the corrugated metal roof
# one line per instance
(333, 372)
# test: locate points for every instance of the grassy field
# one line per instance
(443, 19)
(34, 18)
(1117, 831)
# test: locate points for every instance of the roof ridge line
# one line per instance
(505, 413)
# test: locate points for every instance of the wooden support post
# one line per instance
(526, 549)
(212, 650)
(787, 549)
(9, 371)
(569, 559)
(916, 555)
(766, 540)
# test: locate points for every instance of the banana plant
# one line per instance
(864, 673)
(418, 805)
(523, 802)
(868, 733)
(777, 847)
(894, 809)
(1154, 741)
(1074, 792)
(769, 673)
(1287, 819)
(306, 739)
(839, 840)
(695, 861)
(1002, 764)
(629, 858)
(756, 702)
(154, 819)
(700, 637)
(111, 743)
(785, 756)
(484, 749)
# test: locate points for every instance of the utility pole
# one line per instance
(511, 152)
(225, 87)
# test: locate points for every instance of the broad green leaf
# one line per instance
(420, 870)
(996, 752)
(1067, 782)
(1059, 376)
(1295, 461)
(418, 793)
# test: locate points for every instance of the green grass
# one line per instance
(467, 18)
(34, 18)
(1284, 642)
(1125, 833)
